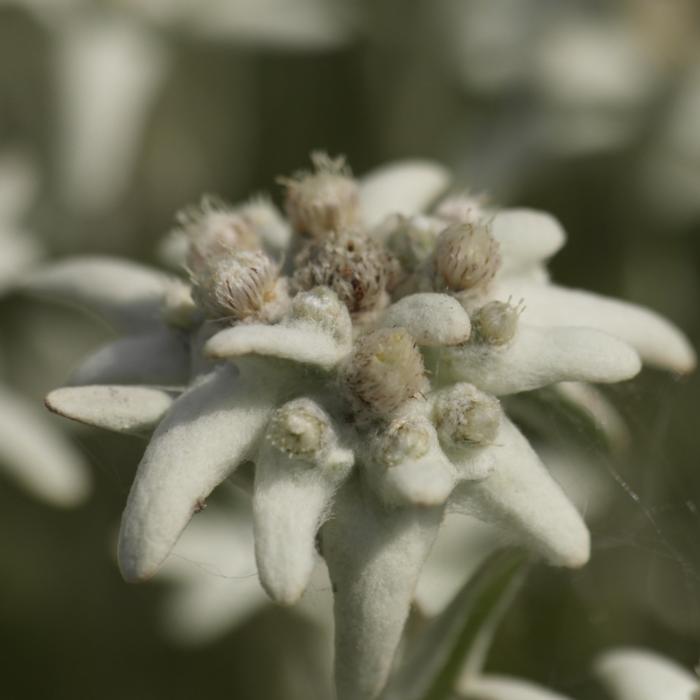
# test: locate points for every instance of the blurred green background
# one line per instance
(130, 110)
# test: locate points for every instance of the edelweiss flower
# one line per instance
(368, 405)
(31, 450)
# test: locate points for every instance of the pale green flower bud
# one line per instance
(496, 323)
(465, 416)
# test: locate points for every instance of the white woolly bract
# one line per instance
(123, 409)
(522, 499)
(373, 583)
(432, 319)
(384, 370)
(294, 488)
(536, 357)
(324, 200)
(208, 432)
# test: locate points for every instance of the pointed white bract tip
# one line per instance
(432, 319)
(526, 237)
(407, 466)
(317, 331)
(639, 674)
(123, 409)
(539, 356)
(405, 187)
(297, 472)
(208, 432)
(658, 342)
(324, 200)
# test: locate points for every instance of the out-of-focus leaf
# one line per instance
(430, 669)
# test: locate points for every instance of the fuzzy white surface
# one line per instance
(538, 356)
(123, 409)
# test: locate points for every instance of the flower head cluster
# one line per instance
(364, 385)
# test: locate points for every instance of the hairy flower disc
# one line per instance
(324, 200)
(405, 439)
(236, 286)
(464, 415)
(298, 428)
(466, 257)
(385, 370)
(353, 265)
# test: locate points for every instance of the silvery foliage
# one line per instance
(355, 355)
(32, 451)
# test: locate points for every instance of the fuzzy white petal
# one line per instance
(208, 432)
(37, 456)
(657, 341)
(492, 687)
(522, 498)
(290, 502)
(123, 409)
(538, 356)
(108, 72)
(123, 293)
(637, 674)
(306, 345)
(374, 557)
(160, 358)
(432, 319)
(526, 237)
(405, 187)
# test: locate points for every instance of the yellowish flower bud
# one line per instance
(466, 257)
(404, 440)
(465, 416)
(412, 239)
(384, 370)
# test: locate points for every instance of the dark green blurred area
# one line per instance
(229, 120)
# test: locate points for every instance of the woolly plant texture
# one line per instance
(356, 354)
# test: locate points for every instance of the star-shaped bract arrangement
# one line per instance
(360, 374)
